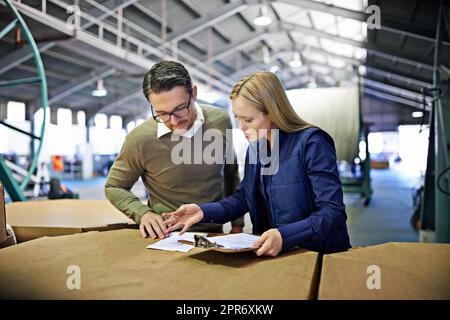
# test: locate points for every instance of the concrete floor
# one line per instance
(385, 220)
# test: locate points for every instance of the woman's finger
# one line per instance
(181, 209)
(170, 221)
(174, 227)
(185, 228)
(264, 248)
(258, 243)
(167, 215)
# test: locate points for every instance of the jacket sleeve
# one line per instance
(327, 196)
(231, 176)
(229, 208)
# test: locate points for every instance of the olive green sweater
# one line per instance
(168, 184)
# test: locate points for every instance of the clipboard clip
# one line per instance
(202, 242)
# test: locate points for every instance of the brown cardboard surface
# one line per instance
(3, 234)
(117, 265)
(35, 219)
(408, 271)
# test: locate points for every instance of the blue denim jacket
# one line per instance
(305, 198)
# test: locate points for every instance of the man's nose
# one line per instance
(174, 120)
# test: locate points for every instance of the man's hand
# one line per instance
(152, 225)
(236, 229)
(270, 243)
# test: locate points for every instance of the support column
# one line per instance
(437, 179)
(88, 155)
(30, 117)
(442, 139)
(3, 104)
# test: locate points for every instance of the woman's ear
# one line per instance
(269, 118)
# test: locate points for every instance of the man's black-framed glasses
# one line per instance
(180, 112)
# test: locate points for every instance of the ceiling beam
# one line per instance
(97, 49)
(374, 70)
(328, 8)
(200, 64)
(398, 77)
(242, 44)
(207, 20)
(371, 49)
(387, 23)
(19, 56)
(111, 5)
(401, 42)
(79, 83)
(394, 98)
(199, 12)
(158, 19)
(395, 90)
(24, 54)
(110, 104)
(445, 70)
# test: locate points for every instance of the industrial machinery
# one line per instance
(13, 187)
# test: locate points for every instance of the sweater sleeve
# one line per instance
(125, 171)
(329, 209)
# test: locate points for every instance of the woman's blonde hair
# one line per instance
(266, 93)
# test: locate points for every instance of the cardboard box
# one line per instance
(117, 265)
(35, 219)
(405, 270)
(3, 234)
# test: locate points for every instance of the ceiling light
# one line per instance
(362, 70)
(295, 62)
(263, 19)
(100, 90)
(417, 114)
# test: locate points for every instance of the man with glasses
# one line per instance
(147, 153)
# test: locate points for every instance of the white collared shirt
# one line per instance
(163, 130)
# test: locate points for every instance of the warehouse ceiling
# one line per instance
(219, 42)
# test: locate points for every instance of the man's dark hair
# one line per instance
(164, 76)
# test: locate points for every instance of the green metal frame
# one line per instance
(14, 190)
(435, 209)
(362, 186)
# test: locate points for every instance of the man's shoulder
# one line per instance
(143, 132)
(215, 115)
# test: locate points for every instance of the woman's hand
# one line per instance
(270, 243)
(186, 216)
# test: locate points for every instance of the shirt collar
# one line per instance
(162, 129)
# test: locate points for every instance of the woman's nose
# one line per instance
(242, 126)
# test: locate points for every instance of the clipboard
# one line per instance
(203, 243)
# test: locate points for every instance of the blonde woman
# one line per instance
(300, 201)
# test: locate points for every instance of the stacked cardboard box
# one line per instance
(35, 219)
(388, 271)
(117, 265)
